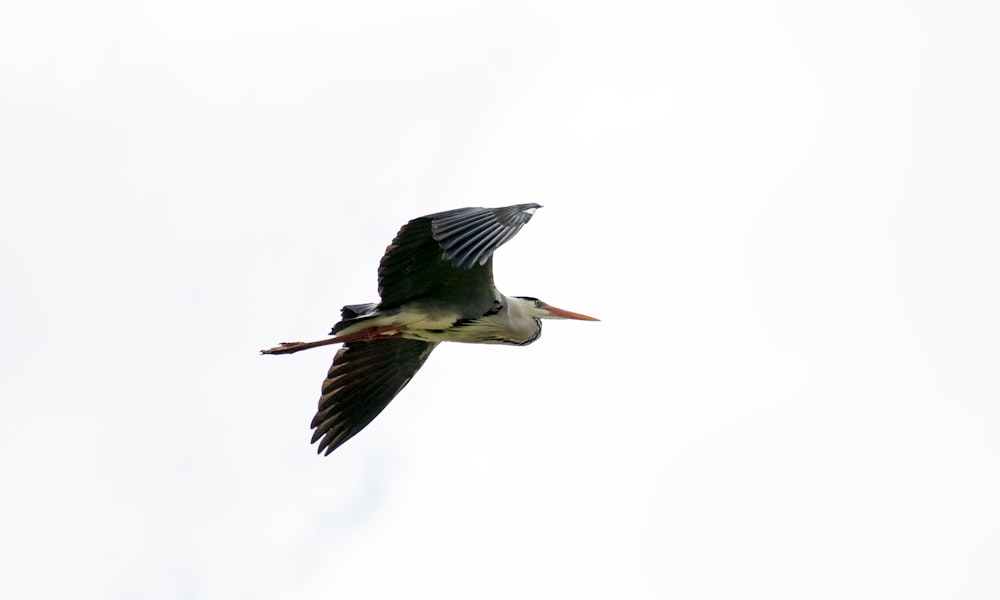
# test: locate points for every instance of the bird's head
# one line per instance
(535, 308)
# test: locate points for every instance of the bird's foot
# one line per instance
(286, 348)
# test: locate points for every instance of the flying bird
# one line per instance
(435, 283)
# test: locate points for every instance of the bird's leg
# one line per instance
(372, 333)
(365, 335)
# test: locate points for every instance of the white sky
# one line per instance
(785, 213)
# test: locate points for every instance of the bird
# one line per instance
(435, 284)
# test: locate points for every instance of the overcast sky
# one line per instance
(785, 214)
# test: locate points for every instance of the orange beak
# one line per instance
(565, 314)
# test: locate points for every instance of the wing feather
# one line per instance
(363, 379)
(469, 236)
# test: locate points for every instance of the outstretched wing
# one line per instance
(364, 378)
(448, 255)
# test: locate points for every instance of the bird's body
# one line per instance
(435, 285)
(506, 323)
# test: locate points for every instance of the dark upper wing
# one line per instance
(364, 378)
(447, 255)
(470, 235)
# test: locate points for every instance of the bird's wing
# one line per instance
(364, 378)
(447, 255)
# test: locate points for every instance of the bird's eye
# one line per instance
(538, 303)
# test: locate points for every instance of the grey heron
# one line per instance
(435, 284)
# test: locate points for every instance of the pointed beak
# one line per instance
(565, 314)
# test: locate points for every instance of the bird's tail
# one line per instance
(354, 313)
